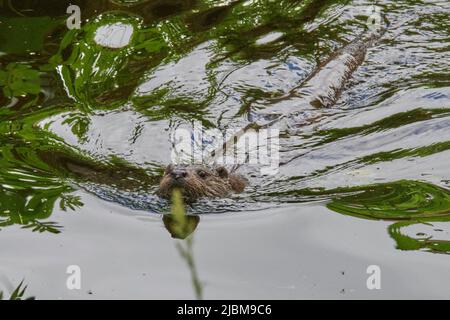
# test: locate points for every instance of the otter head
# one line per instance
(196, 181)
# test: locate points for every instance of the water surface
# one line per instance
(365, 184)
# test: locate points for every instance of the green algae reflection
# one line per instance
(101, 63)
(401, 200)
(408, 202)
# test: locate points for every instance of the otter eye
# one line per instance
(202, 174)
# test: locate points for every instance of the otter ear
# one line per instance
(222, 172)
(169, 168)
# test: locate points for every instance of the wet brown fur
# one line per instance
(200, 181)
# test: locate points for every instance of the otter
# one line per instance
(318, 91)
(198, 181)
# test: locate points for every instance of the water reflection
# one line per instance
(96, 106)
(181, 229)
(418, 203)
(422, 241)
(407, 203)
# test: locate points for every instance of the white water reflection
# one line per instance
(116, 35)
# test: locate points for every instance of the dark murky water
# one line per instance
(367, 183)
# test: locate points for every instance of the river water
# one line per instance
(364, 184)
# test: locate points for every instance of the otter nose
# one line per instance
(178, 174)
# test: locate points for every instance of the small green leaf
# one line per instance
(70, 202)
(18, 293)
